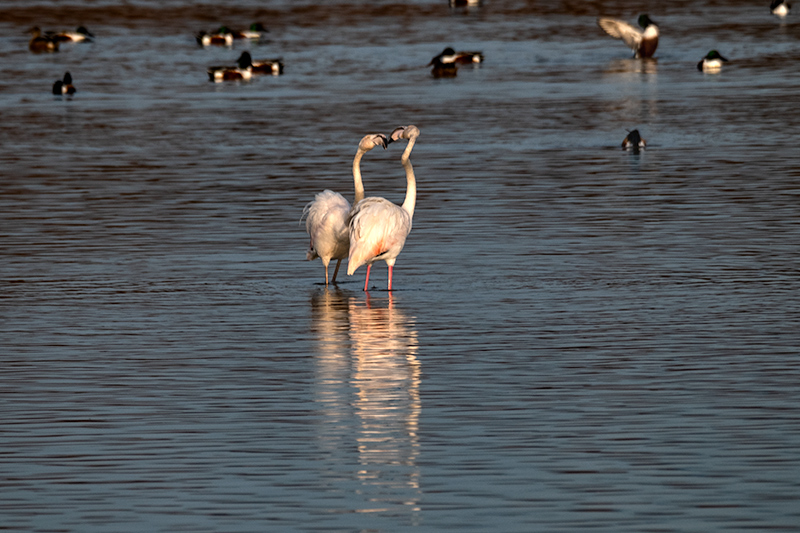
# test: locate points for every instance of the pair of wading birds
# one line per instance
(374, 229)
(645, 41)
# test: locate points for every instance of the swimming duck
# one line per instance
(223, 37)
(263, 66)
(633, 141)
(712, 62)
(64, 86)
(255, 32)
(464, 3)
(449, 55)
(41, 43)
(81, 34)
(780, 8)
(445, 65)
(242, 71)
(643, 42)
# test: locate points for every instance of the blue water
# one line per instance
(580, 338)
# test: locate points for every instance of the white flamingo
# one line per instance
(378, 228)
(328, 214)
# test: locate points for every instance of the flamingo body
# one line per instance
(378, 228)
(326, 224)
(328, 215)
(378, 232)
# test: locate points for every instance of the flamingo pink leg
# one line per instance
(390, 277)
(366, 283)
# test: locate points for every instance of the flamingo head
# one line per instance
(404, 132)
(373, 140)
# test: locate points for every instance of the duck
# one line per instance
(64, 86)
(242, 71)
(81, 34)
(449, 55)
(41, 43)
(633, 141)
(223, 37)
(263, 66)
(445, 65)
(780, 8)
(465, 3)
(712, 62)
(255, 31)
(643, 42)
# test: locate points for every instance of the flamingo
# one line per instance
(328, 214)
(378, 228)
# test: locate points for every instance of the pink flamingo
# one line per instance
(328, 214)
(378, 228)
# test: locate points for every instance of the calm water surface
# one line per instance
(581, 338)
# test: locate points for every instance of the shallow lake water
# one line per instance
(580, 338)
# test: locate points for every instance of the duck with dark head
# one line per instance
(40, 42)
(64, 86)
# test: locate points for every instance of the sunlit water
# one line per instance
(580, 338)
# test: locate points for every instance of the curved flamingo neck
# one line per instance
(359, 185)
(411, 181)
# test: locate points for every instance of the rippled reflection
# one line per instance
(631, 66)
(368, 379)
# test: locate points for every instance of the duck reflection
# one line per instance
(368, 382)
(631, 66)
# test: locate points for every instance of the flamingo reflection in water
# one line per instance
(369, 380)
